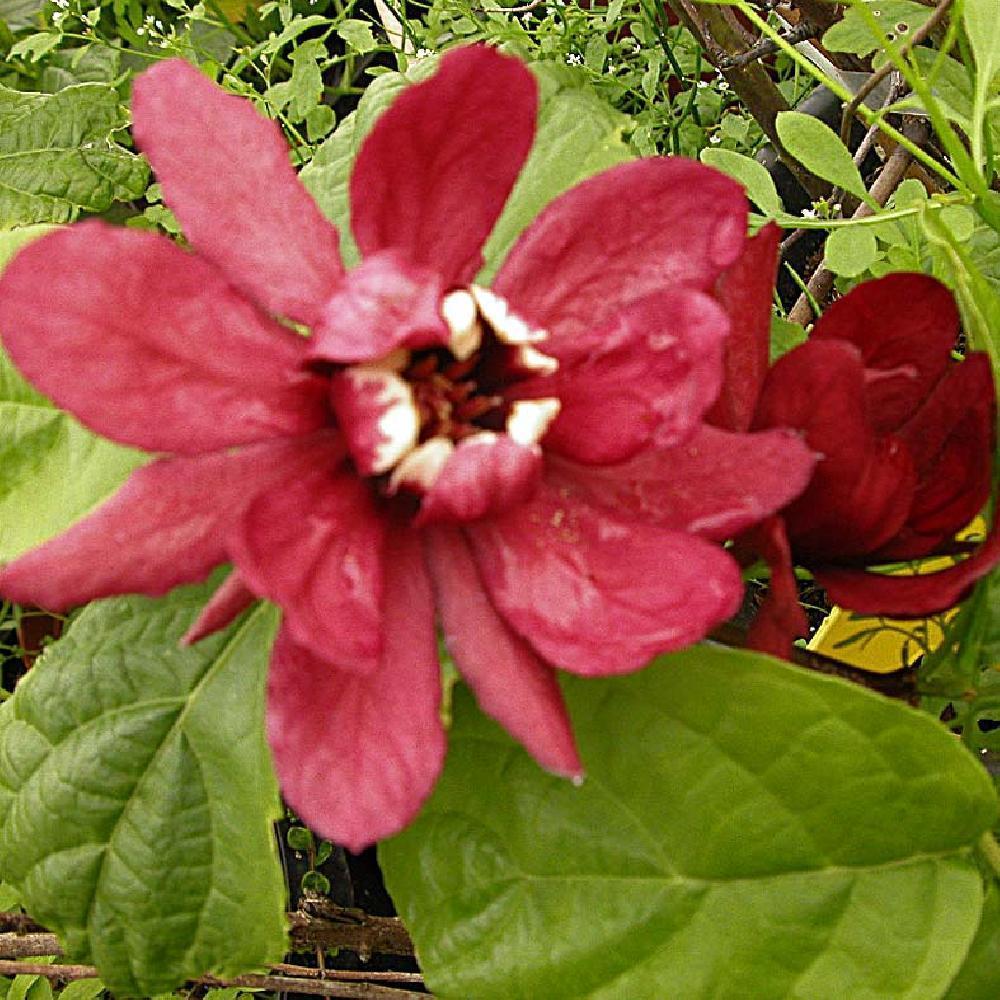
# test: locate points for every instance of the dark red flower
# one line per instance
(388, 470)
(906, 436)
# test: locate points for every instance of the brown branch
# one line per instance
(803, 32)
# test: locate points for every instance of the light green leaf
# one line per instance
(746, 829)
(35, 46)
(819, 149)
(578, 135)
(898, 19)
(979, 977)
(137, 796)
(58, 157)
(357, 35)
(751, 174)
(784, 337)
(850, 251)
(10, 898)
(306, 83)
(82, 989)
(52, 469)
(982, 26)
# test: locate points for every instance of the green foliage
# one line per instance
(745, 829)
(58, 155)
(979, 977)
(136, 795)
(851, 251)
(819, 149)
(751, 174)
(898, 19)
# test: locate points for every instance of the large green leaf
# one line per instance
(979, 977)
(137, 796)
(58, 156)
(52, 470)
(819, 149)
(746, 829)
(578, 135)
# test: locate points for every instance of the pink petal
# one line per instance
(744, 291)
(231, 599)
(357, 754)
(596, 594)
(166, 526)
(627, 233)
(315, 547)
(150, 346)
(512, 685)
(226, 175)
(780, 619)
(910, 596)
(715, 485)
(905, 326)
(384, 304)
(485, 473)
(862, 488)
(648, 374)
(433, 175)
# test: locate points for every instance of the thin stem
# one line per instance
(991, 851)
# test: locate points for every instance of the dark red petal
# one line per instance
(315, 547)
(745, 291)
(226, 175)
(166, 526)
(905, 326)
(780, 619)
(151, 346)
(909, 596)
(862, 488)
(629, 232)
(647, 375)
(433, 175)
(357, 754)
(952, 438)
(384, 304)
(229, 601)
(595, 593)
(715, 485)
(511, 684)
(486, 473)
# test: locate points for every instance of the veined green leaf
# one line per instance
(746, 829)
(137, 796)
(751, 174)
(58, 156)
(819, 149)
(898, 19)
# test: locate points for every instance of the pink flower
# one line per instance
(907, 439)
(388, 471)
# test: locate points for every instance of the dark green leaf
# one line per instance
(82, 989)
(746, 829)
(300, 839)
(979, 977)
(136, 795)
(897, 19)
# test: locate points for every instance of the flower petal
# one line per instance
(714, 485)
(861, 490)
(433, 175)
(166, 526)
(511, 684)
(622, 235)
(780, 619)
(596, 594)
(226, 175)
(905, 326)
(355, 754)
(909, 596)
(648, 374)
(744, 291)
(384, 304)
(485, 473)
(151, 346)
(229, 601)
(315, 547)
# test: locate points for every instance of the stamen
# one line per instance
(530, 418)
(421, 468)
(459, 311)
(530, 359)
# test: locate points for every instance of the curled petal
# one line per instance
(227, 176)
(647, 375)
(485, 473)
(385, 304)
(433, 175)
(151, 346)
(744, 291)
(511, 684)
(166, 526)
(909, 596)
(714, 485)
(862, 488)
(905, 326)
(595, 593)
(231, 599)
(316, 548)
(357, 754)
(627, 233)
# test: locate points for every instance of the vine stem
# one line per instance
(991, 851)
